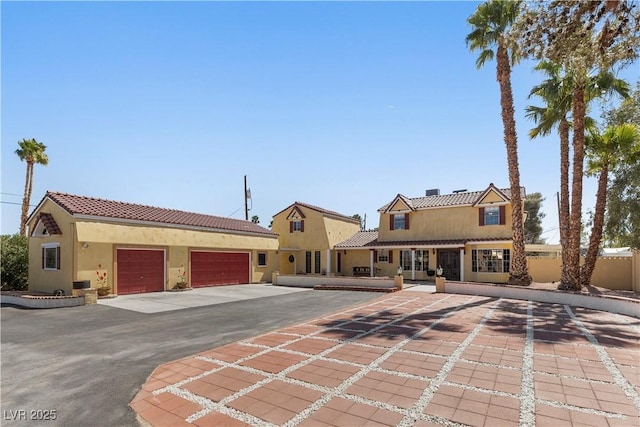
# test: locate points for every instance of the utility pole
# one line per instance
(247, 196)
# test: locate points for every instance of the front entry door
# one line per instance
(449, 260)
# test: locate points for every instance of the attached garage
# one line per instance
(219, 268)
(140, 271)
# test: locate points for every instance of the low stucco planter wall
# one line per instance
(611, 304)
(42, 301)
(310, 281)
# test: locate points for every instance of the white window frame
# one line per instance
(383, 255)
(297, 225)
(47, 246)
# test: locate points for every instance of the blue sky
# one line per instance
(338, 104)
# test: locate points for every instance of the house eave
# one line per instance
(123, 221)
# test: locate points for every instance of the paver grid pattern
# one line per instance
(411, 359)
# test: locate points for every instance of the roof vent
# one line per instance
(460, 191)
(432, 192)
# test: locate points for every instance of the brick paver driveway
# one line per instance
(413, 359)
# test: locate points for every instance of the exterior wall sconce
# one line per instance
(433, 251)
(85, 245)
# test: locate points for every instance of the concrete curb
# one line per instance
(616, 305)
(30, 301)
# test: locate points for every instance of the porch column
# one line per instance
(413, 264)
(328, 263)
(371, 269)
(462, 265)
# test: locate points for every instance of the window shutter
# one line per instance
(290, 226)
(406, 221)
(390, 221)
(503, 220)
(481, 217)
(43, 258)
(302, 226)
(390, 257)
(375, 256)
(58, 256)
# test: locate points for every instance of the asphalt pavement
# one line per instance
(83, 365)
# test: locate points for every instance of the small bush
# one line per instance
(14, 270)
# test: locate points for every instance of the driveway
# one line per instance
(87, 363)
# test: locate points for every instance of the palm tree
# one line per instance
(490, 23)
(558, 92)
(617, 144)
(555, 91)
(33, 153)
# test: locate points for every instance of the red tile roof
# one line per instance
(49, 223)
(321, 210)
(81, 205)
(369, 239)
(456, 199)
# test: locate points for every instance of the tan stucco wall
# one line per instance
(444, 223)
(165, 236)
(338, 230)
(314, 236)
(320, 234)
(50, 280)
(636, 271)
(609, 272)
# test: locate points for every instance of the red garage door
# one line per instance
(219, 268)
(140, 271)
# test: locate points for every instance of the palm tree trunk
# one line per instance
(563, 131)
(25, 199)
(596, 230)
(518, 273)
(575, 222)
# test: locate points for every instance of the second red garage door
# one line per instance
(219, 268)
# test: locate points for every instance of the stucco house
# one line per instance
(134, 248)
(466, 233)
(307, 237)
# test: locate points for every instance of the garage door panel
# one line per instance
(140, 271)
(219, 268)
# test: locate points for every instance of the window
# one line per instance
(383, 255)
(51, 256)
(307, 259)
(262, 259)
(492, 216)
(421, 263)
(317, 264)
(400, 222)
(490, 260)
(405, 260)
(297, 226)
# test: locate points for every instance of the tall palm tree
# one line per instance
(489, 24)
(618, 143)
(558, 91)
(555, 91)
(32, 152)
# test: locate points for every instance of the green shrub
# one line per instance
(14, 270)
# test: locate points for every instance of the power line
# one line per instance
(12, 194)
(13, 203)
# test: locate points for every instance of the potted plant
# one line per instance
(103, 286)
